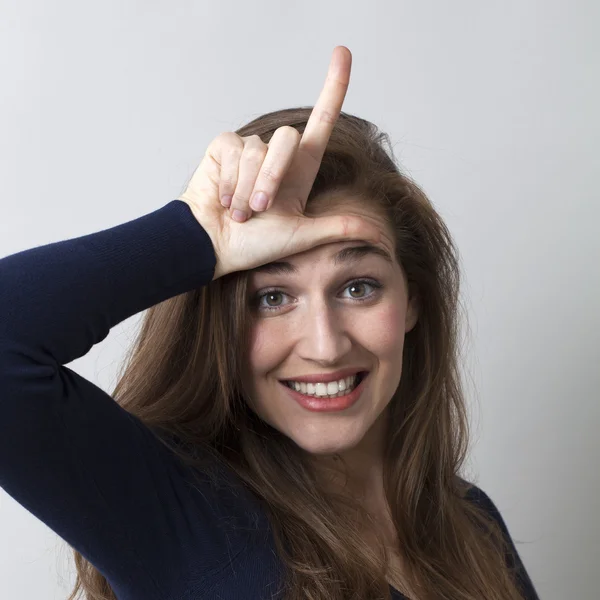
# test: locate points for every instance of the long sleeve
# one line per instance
(513, 560)
(63, 298)
(69, 453)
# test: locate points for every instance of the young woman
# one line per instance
(290, 423)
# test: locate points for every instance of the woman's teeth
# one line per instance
(333, 389)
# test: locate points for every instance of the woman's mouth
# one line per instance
(332, 389)
(320, 399)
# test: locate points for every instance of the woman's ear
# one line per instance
(412, 310)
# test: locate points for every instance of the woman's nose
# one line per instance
(323, 336)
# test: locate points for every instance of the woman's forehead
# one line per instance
(340, 203)
(332, 257)
(340, 253)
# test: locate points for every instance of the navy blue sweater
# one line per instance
(91, 471)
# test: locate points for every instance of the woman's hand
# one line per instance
(284, 170)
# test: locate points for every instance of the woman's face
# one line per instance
(328, 309)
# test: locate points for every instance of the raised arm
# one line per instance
(69, 453)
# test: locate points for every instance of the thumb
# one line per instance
(341, 228)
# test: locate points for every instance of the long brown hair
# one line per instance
(184, 379)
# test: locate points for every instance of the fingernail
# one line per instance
(259, 201)
(238, 216)
(226, 201)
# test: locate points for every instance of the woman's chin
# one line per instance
(316, 447)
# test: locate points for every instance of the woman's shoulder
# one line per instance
(476, 495)
(479, 497)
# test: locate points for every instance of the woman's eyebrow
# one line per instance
(349, 255)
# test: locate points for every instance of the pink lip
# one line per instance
(327, 404)
(327, 377)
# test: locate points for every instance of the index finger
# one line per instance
(319, 126)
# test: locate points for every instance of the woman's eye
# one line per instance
(357, 287)
(269, 296)
(359, 290)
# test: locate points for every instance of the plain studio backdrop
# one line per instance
(107, 108)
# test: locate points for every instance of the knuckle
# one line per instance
(230, 138)
(269, 174)
(253, 141)
(230, 149)
(289, 132)
(255, 154)
(237, 201)
(234, 149)
(242, 191)
(228, 181)
(328, 117)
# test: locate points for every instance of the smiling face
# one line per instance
(337, 306)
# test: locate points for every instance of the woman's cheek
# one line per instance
(266, 345)
(381, 330)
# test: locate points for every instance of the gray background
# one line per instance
(107, 108)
